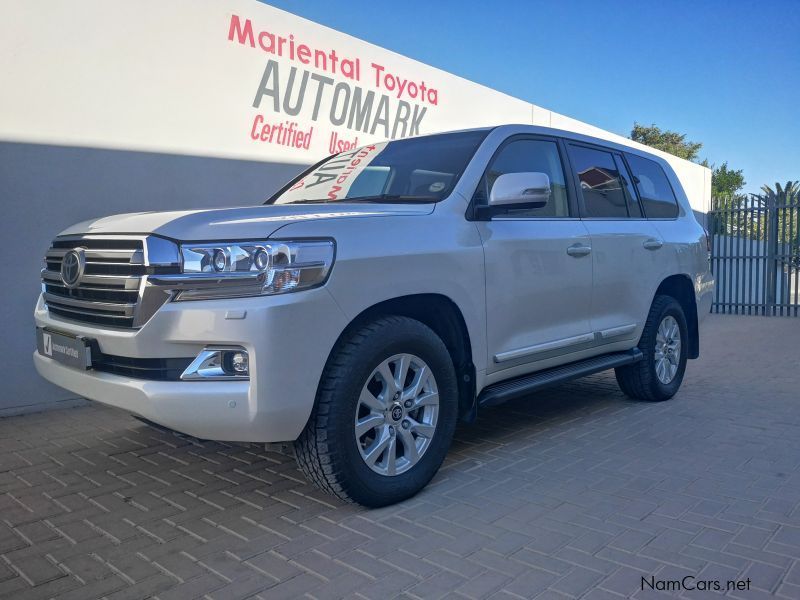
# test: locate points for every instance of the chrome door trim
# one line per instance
(617, 331)
(501, 357)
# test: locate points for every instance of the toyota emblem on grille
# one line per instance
(72, 267)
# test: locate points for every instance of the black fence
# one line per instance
(755, 253)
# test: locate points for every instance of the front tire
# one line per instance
(384, 416)
(664, 344)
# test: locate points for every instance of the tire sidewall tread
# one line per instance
(326, 450)
(639, 381)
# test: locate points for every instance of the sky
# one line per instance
(726, 73)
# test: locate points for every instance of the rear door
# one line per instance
(626, 247)
(538, 264)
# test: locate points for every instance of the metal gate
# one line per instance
(755, 252)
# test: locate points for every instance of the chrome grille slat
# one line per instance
(131, 256)
(98, 241)
(114, 296)
(104, 282)
(126, 309)
(91, 288)
(95, 260)
(121, 319)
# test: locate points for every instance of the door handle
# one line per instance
(578, 250)
(653, 244)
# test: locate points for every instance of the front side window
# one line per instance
(656, 193)
(525, 156)
(600, 183)
(423, 169)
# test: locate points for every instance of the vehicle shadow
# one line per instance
(546, 409)
(525, 432)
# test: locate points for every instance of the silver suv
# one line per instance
(381, 296)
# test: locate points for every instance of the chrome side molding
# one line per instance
(545, 347)
(585, 338)
(617, 331)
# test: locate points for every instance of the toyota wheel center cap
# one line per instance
(396, 412)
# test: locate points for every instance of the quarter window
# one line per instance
(522, 156)
(600, 183)
(656, 193)
(634, 209)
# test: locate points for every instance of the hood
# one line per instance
(250, 222)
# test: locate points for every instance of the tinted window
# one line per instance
(524, 156)
(422, 169)
(599, 182)
(633, 204)
(655, 191)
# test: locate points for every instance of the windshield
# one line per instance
(423, 169)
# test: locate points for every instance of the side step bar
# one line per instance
(503, 391)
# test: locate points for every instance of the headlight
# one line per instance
(236, 269)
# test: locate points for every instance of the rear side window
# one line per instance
(600, 183)
(658, 199)
(634, 209)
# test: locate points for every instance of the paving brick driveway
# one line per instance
(577, 492)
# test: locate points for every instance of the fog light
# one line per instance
(239, 363)
(217, 364)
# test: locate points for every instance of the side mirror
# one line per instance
(520, 190)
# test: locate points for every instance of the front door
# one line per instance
(538, 265)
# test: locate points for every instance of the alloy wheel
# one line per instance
(396, 416)
(668, 349)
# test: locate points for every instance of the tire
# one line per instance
(644, 380)
(330, 453)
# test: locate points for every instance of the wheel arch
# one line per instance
(680, 287)
(445, 318)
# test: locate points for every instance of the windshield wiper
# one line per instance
(391, 198)
(317, 201)
(378, 199)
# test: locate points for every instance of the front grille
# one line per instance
(108, 291)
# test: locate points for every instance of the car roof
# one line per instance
(621, 145)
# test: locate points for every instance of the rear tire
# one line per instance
(371, 438)
(664, 344)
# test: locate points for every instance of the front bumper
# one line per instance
(288, 338)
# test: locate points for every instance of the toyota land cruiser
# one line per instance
(383, 294)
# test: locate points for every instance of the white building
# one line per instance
(111, 106)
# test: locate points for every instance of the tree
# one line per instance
(725, 182)
(668, 141)
(788, 194)
(785, 201)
